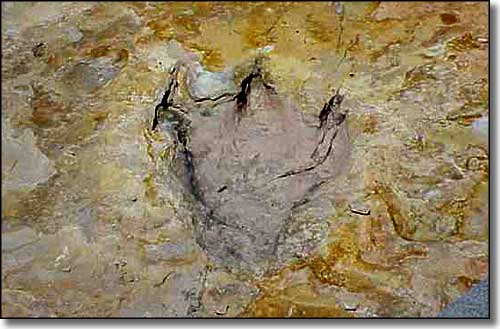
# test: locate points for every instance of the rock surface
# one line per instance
(212, 213)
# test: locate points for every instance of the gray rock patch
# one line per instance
(17, 239)
(23, 164)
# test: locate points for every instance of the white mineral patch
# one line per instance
(267, 49)
(480, 126)
(210, 84)
(73, 34)
(339, 8)
(436, 50)
(23, 164)
(162, 57)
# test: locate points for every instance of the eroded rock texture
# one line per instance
(259, 159)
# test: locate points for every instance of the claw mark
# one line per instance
(167, 99)
(330, 109)
(242, 97)
(330, 119)
(182, 124)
